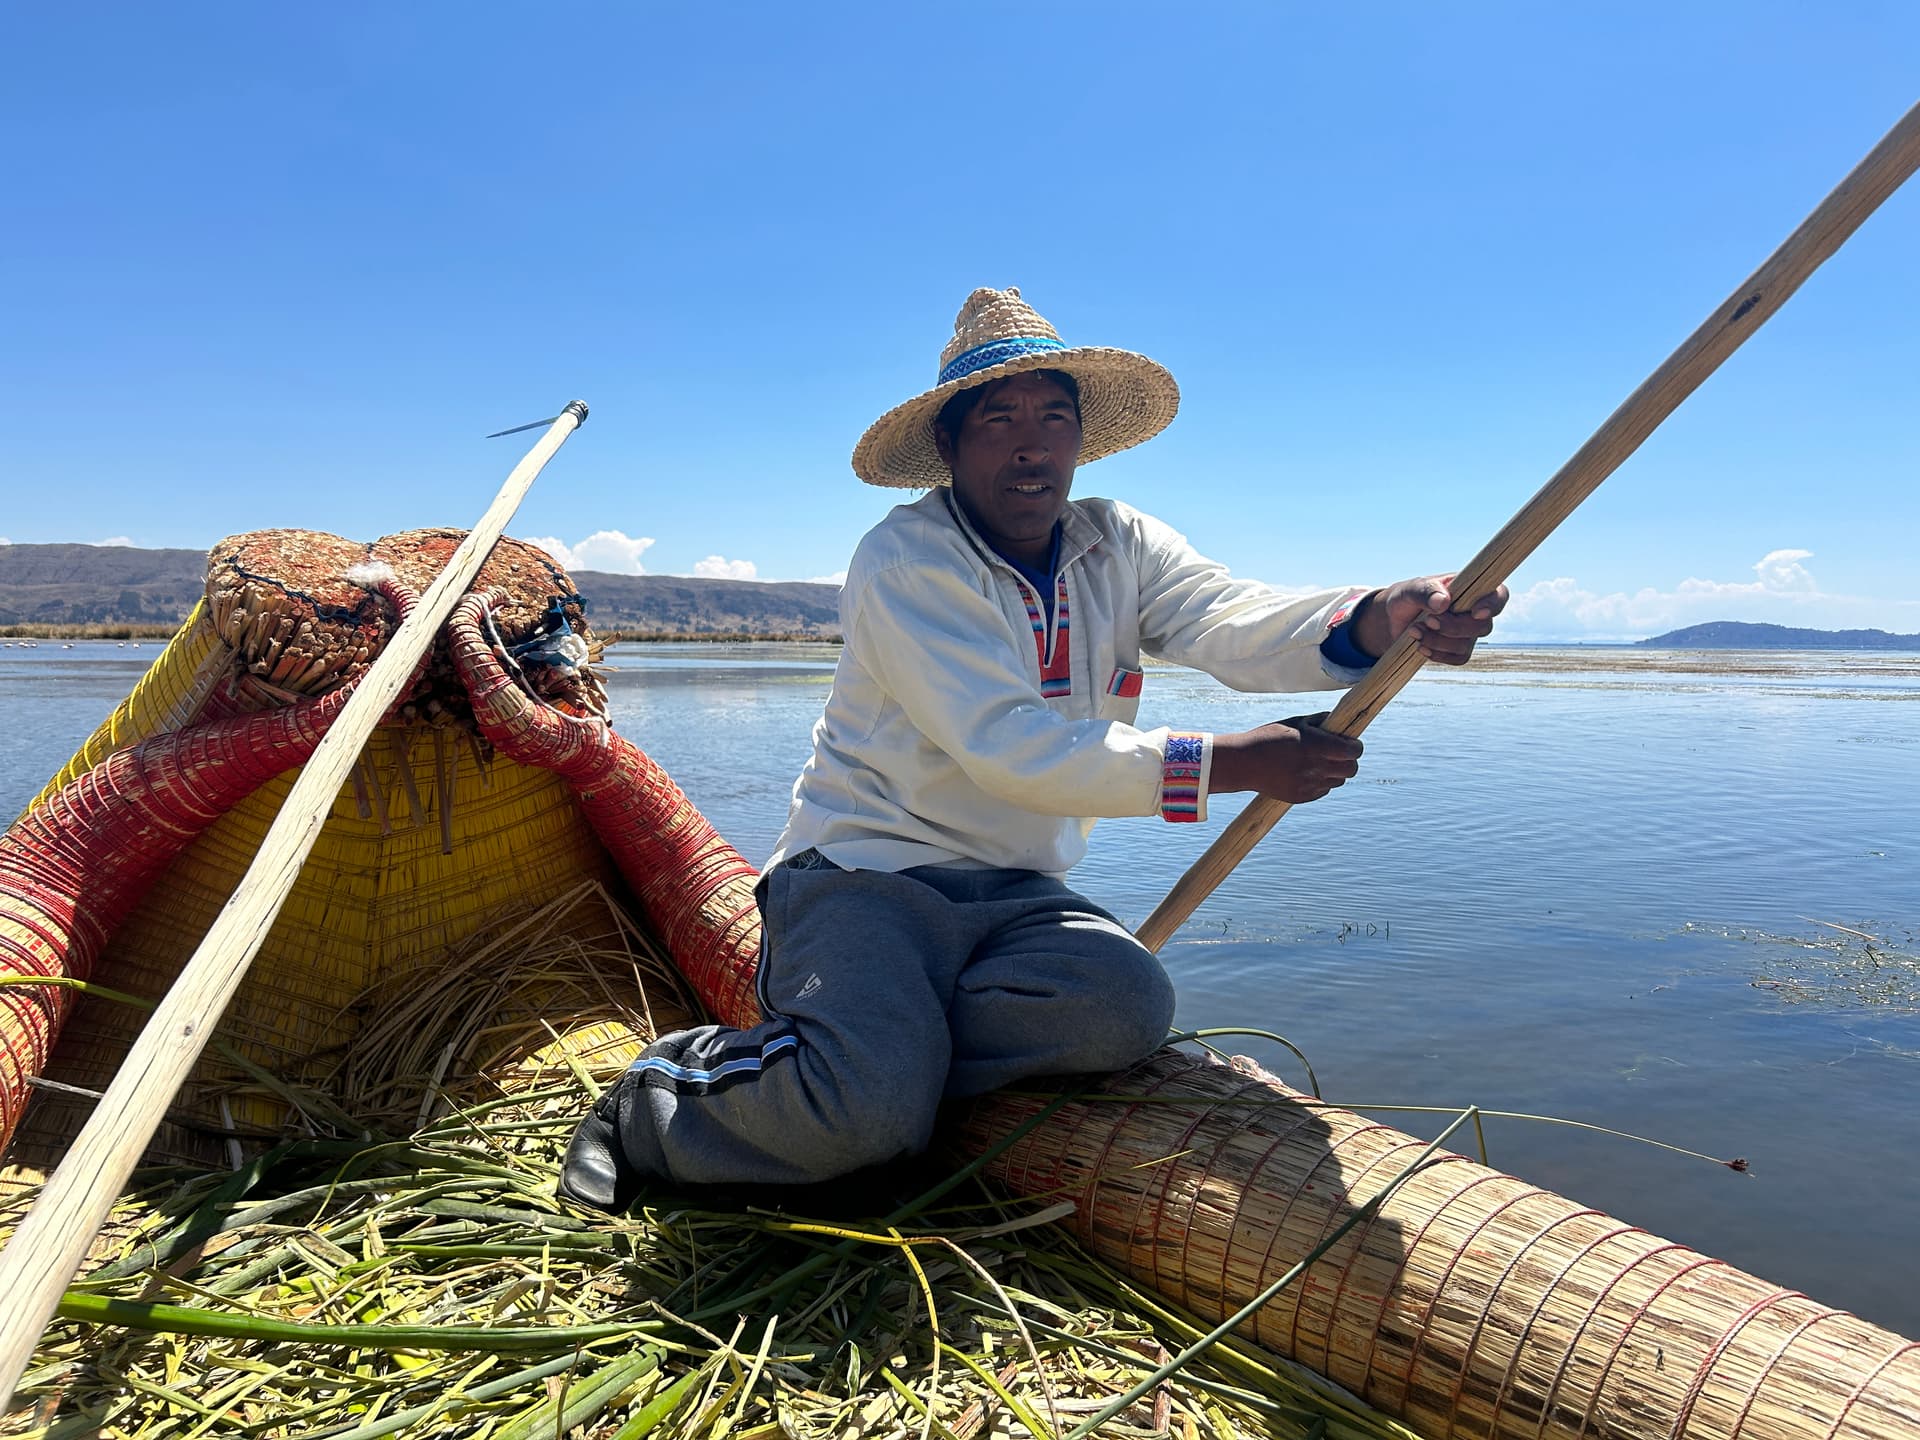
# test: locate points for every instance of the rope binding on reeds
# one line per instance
(282, 602)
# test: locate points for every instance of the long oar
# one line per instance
(1883, 171)
(52, 1241)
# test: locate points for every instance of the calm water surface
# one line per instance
(1605, 894)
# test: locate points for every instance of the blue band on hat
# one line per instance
(994, 352)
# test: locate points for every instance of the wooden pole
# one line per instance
(1884, 170)
(51, 1243)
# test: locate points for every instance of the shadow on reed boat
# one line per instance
(1458, 1300)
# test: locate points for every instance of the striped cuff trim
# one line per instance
(1183, 776)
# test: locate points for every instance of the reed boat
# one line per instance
(497, 816)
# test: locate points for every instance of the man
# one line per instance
(920, 944)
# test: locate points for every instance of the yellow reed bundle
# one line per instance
(434, 841)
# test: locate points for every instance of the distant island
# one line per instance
(1739, 635)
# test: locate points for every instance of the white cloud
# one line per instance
(1783, 592)
(718, 567)
(612, 551)
(115, 540)
(4, 540)
(839, 577)
(1781, 570)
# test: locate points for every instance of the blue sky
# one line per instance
(286, 265)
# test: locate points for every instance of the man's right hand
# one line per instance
(1294, 760)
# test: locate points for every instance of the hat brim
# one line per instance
(1124, 399)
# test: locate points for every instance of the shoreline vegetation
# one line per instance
(716, 637)
(1638, 657)
(116, 630)
(1635, 660)
(96, 630)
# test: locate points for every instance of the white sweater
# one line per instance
(963, 728)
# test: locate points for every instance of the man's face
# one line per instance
(1013, 462)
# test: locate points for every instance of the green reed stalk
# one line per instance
(582, 1401)
(190, 1320)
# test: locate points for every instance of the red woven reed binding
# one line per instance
(72, 868)
(696, 889)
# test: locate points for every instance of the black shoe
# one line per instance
(594, 1170)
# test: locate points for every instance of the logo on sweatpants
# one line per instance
(813, 983)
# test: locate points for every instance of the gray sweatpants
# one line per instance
(883, 995)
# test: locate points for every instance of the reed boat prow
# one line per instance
(1465, 1303)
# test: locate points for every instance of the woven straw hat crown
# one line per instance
(1124, 397)
(991, 315)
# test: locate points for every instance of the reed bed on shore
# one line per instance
(91, 630)
(617, 636)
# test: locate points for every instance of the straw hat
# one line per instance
(1124, 398)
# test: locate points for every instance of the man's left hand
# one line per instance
(1425, 606)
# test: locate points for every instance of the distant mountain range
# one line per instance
(1739, 635)
(75, 584)
(689, 605)
(117, 584)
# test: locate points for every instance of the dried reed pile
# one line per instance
(389, 1273)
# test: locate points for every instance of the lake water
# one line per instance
(1600, 885)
